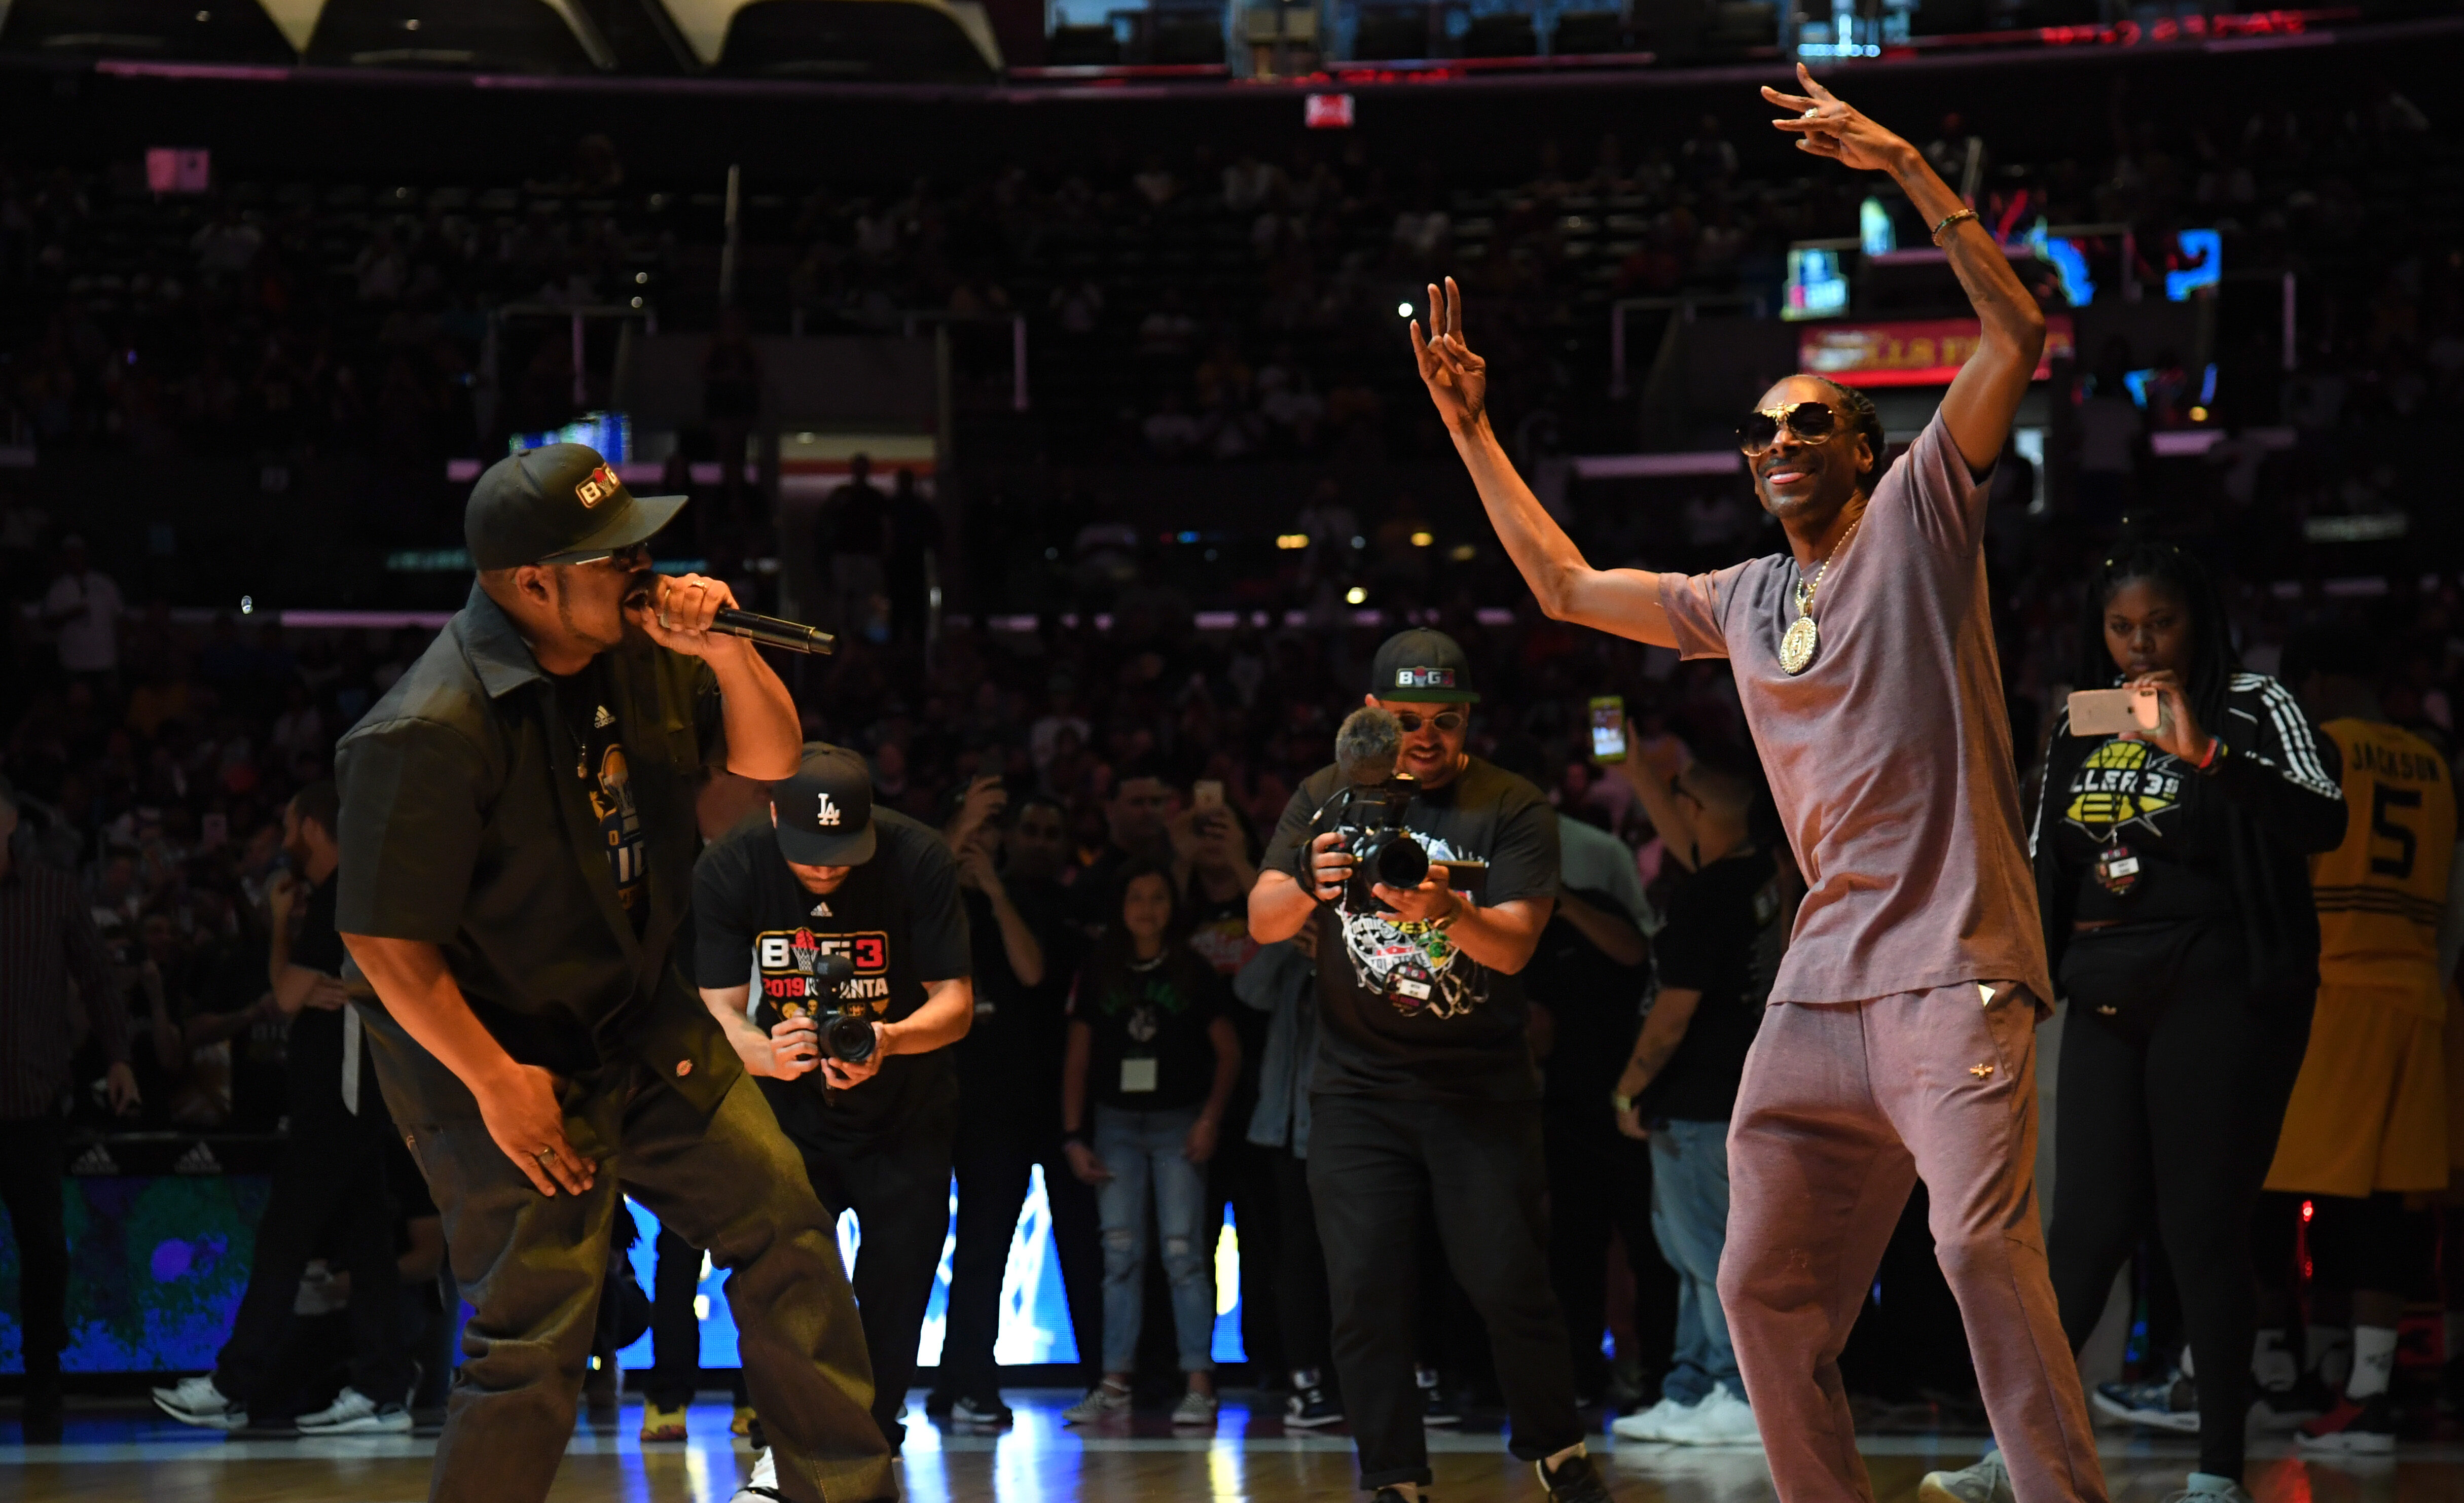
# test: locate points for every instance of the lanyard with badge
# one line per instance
(1141, 1069)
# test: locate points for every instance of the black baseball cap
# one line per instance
(559, 503)
(1421, 667)
(824, 813)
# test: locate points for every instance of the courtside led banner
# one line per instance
(1913, 352)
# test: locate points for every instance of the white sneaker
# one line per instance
(1648, 1424)
(1194, 1408)
(1721, 1419)
(2215, 1492)
(762, 1487)
(197, 1402)
(1989, 1481)
(1101, 1401)
(353, 1413)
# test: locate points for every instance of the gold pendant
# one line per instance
(1796, 647)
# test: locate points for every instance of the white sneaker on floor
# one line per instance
(762, 1487)
(1101, 1401)
(197, 1402)
(1989, 1481)
(1194, 1408)
(1721, 1419)
(353, 1413)
(2218, 1491)
(1648, 1424)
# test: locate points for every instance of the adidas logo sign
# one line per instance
(828, 813)
(603, 720)
(823, 910)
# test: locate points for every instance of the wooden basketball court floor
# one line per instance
(120, 1456)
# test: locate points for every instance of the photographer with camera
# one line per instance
(1429, 875)
(848, 919)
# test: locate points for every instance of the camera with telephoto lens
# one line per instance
(1370, 808)
(845, 1031)
(1383, 852)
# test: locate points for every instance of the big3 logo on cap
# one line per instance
(600, 485)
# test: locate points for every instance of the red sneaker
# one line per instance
(2352, 1429)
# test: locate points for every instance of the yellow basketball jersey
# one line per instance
(2382, 893)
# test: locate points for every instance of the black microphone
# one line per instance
(792, 636)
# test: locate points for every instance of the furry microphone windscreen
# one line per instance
(1367, 745)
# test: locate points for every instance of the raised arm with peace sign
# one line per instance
(1984, 396)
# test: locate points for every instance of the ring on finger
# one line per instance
(1811, 111)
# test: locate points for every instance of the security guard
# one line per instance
(517, 839)
(844, 913)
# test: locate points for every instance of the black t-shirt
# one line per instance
(1148, 1022)
(897, 917)
(607, 779)
(1724, 934)
(2138, 810)
(1596, 1002)
(1009, 1063)
(314, 1054)
(1405, 1013)
(227, 976)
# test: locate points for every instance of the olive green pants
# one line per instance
(532, 1267)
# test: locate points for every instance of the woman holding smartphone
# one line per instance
(2172, 877)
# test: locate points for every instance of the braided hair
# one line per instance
(1862, 419)
(2182, 576)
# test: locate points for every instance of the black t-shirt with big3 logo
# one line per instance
(897, 918)
(2137, 832)
(1404, 1013)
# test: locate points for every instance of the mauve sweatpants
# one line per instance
(1842, 1108)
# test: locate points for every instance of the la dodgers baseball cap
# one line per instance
(1421, 667)
(824, 813)
(559, 503)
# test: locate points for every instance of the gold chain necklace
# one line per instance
(1798, 645)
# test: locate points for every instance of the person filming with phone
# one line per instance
(1429, 875)
(2173, 825)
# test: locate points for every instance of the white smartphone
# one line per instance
(1608, 728)
(2110, 712)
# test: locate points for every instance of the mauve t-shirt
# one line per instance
(1890, 756)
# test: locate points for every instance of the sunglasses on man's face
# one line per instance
(1447, 722)
(1807, 422)
(625, 559)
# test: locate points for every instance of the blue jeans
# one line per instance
(1689, 1215)
(1143, 1149)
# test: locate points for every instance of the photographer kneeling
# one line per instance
(1424, 1086)
(848, 918)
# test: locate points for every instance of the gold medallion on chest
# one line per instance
(1796, 646)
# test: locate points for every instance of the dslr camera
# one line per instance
(845, 1030)
(1370, 808)
(1383, 852)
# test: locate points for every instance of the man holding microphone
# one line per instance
(516, 842)
(1901, 1039)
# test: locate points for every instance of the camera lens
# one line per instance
(1401, 862)
(850, 1038)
